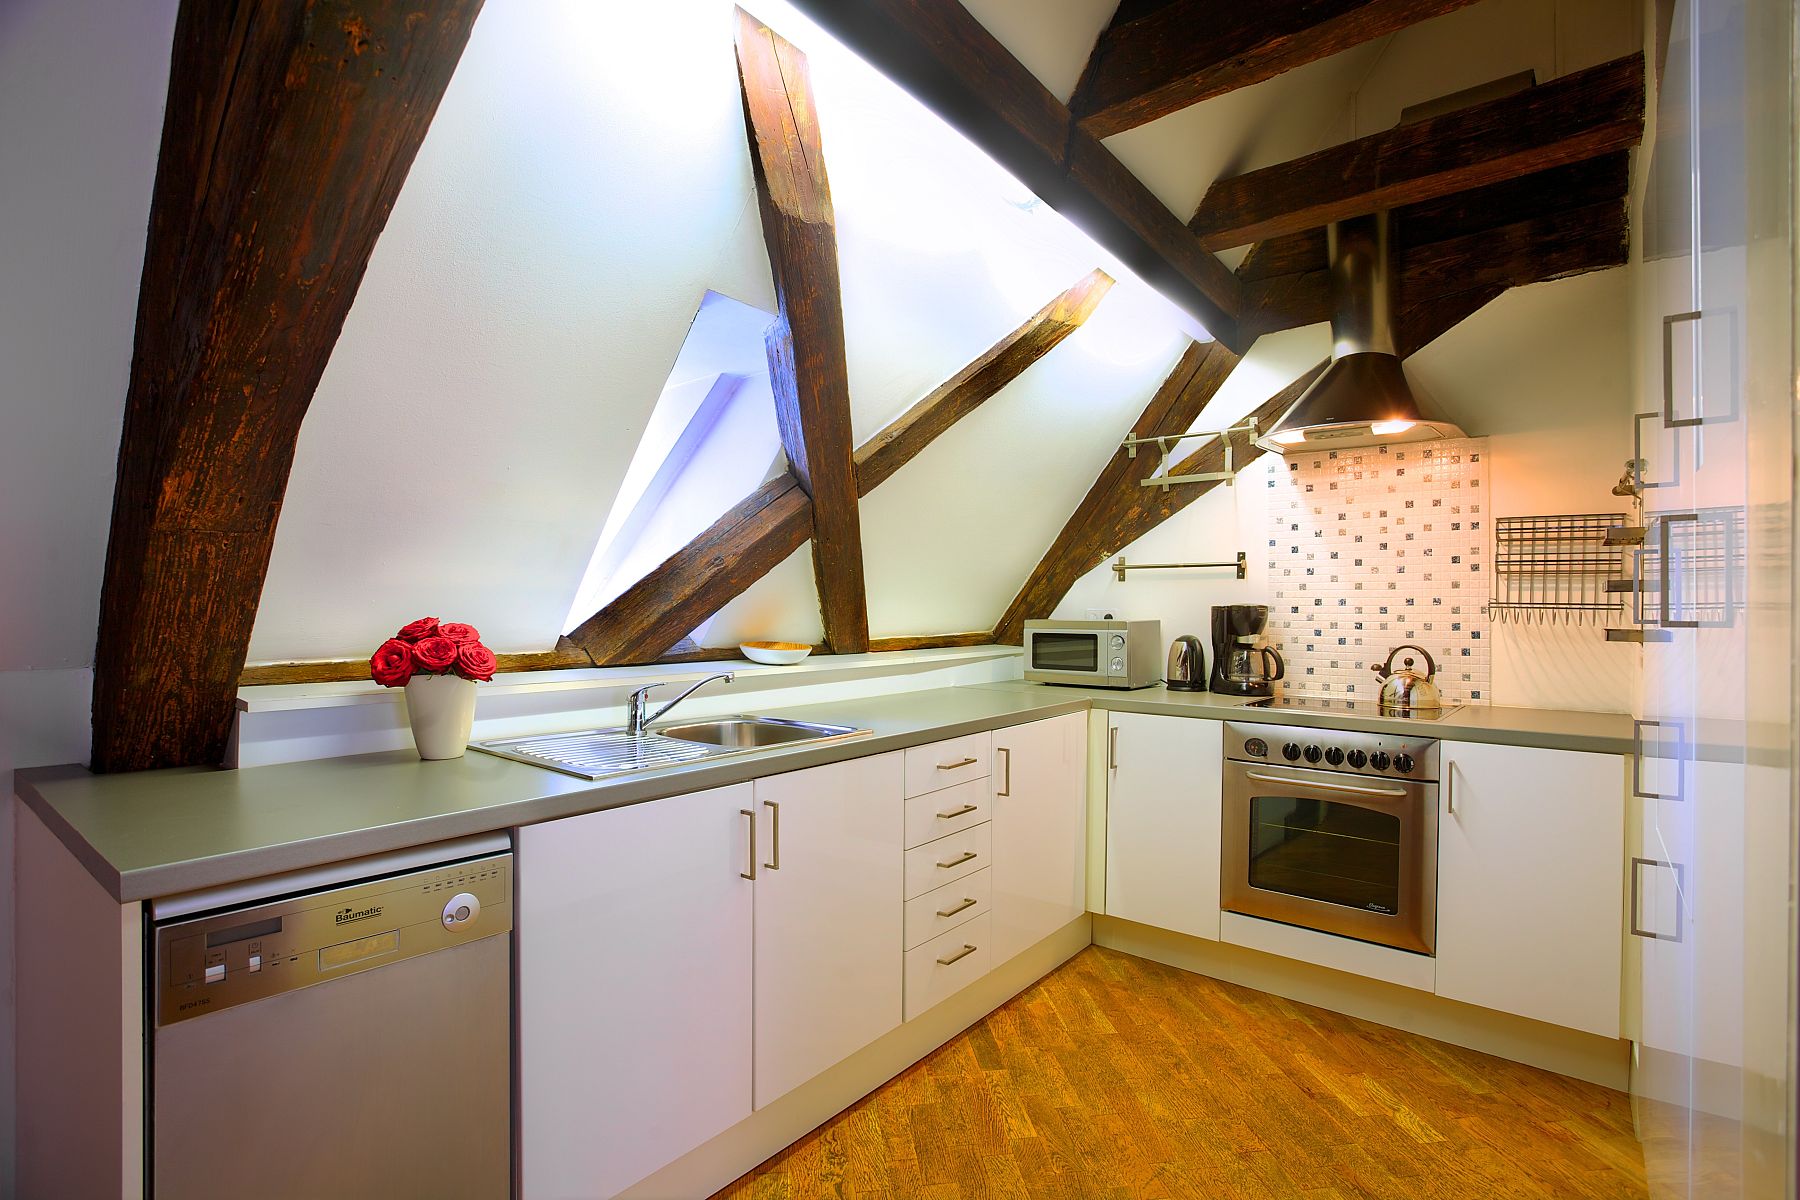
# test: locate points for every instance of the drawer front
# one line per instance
(945, 965)
(946, 764)
(936, 863)
(939, 814)
(942, 909)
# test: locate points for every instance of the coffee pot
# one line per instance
(1240, 666)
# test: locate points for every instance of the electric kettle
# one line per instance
(1405, 690)
(1187, 665)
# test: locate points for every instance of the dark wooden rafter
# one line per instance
(956, 397)
(338, 670)
(807, 367)
(288, 131)
(1118, 509)
(693, 653)
(657, 612)
(941, 54)
(1552, 223)
(1580, 116)
(1108, 505)
(1147, 64)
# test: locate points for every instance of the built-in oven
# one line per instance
(1111, 654)
(1333, 831)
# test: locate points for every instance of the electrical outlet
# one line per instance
(1100, 614)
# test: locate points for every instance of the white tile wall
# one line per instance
(1373, 547)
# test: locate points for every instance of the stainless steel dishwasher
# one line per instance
(341, 1032)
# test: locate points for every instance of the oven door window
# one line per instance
(1066, 652)
(1327, 851)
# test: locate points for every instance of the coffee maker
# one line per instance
(1240, 666)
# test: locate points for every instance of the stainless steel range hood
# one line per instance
(1363, 398)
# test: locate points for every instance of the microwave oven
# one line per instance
(1108, 654)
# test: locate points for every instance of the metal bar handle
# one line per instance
(1637, 929)
(1637, 759)
(963, 953)
(968, 902)
(775, 819)
(958, 764)
(957, 862)
(956, 812)
(1112, 748)
(751, 874)
(1450, 786)
(1005, 788)
(1390, 793)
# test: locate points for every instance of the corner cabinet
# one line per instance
(1162, 821)
(1531, 882)
(1040, 831)
(634, 934)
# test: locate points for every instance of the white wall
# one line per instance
(1543, 372)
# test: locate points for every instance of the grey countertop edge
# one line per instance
(533, 794)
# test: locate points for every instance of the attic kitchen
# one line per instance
(1129, 598)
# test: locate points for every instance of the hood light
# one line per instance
(1289, 437)
(1390, 428)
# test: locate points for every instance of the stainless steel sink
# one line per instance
(751, 733)
(598, 753)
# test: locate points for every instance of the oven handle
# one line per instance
(1318, 786)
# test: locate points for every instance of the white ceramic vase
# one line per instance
(442, 711)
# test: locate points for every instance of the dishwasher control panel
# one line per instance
(214, 961)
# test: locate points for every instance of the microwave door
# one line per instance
(1072, 657)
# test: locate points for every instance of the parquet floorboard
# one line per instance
(1115, 1078)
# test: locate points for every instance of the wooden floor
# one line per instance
(1116, 1078)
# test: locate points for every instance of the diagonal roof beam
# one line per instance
(1148, 65)
(649, 618)
(287, 134)
(941, 54)
(807, 366)
(1580, 116)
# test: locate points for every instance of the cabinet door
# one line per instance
(829, 916)
(634, 937)
(1531, 883)
(1162, 821)
(1040, 831)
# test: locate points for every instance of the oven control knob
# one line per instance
(1379, 760)
(1403, 763)
(1118, 641)
(1256, 748)
(460, 910)
(1358, 759)
(1291, 751)
(1334, 756)
(1314, 754)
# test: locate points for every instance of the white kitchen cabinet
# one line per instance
(634, 940)
(1531, 882)
(1162, 821)
(1039, 831)
(829, 917)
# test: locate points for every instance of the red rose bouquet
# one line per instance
(430, 647)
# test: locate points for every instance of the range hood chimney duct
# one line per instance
(1363, 398)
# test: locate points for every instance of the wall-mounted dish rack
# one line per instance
(1561, 568)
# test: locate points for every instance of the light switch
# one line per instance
(215, 973)
(255, 963)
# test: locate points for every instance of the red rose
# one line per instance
(434, 653)
(392, 664)
(459, 633)
(475, 661)
(419, 630)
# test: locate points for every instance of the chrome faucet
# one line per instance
(638, 705)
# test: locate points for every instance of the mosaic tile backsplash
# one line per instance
(1373, 547)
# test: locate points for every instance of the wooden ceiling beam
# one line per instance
(807, 367)
(1580, 116)
(1117, 493)
(941, 54)
(1553, 223)
(657, 612)
(287, 133)
(963, 392)
(1147, 65)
